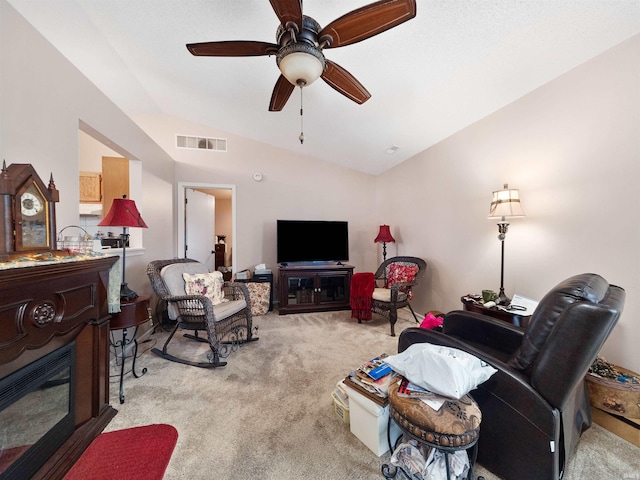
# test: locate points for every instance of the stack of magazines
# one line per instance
(411, 390)
(372, 379)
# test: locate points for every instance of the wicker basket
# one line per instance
(340, 408)
(81, 243)
(613, 396)
(341, 402)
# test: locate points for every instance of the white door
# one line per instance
(199, 214)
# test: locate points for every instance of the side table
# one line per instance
(515, 319)
(133, 313)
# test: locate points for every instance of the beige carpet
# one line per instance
(269, 414)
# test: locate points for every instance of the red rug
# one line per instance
(139, 453)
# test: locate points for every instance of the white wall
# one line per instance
(572, 147)
(43, 101)
(292, 187)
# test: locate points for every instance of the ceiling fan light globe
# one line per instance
(301, 68)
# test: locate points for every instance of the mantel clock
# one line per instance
(28, 210)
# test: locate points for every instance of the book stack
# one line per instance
(411, 390)
(372, 379)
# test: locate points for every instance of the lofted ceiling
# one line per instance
(456, 62)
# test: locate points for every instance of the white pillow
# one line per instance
(443, 370)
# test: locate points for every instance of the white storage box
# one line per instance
(368, 421)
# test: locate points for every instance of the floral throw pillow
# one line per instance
(207, 284)
(399, 272)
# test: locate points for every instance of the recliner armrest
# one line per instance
(486, 334)
(475, 328)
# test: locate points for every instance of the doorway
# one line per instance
(93, 149)
(191, 223)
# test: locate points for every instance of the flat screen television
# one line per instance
(301, 241)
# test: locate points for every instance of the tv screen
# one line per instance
(312, 241)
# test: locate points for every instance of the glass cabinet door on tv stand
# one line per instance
(313, 288)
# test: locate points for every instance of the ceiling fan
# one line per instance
(301, 41)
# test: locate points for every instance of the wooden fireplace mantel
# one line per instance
(45, 307)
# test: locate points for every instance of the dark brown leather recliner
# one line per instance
(535, 407)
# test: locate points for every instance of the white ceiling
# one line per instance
(456, 62)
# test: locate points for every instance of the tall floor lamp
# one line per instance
(124, 213)
(505, 204)
(384, 237)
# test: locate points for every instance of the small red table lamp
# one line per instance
(384, 237)
(124, 213)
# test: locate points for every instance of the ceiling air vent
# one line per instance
(201, 143)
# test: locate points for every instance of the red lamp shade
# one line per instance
(123, 213)
(384, 235)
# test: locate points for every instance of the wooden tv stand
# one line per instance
(314, 288)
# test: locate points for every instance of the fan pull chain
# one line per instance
(301, 137)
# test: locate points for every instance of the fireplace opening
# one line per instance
(37, 412)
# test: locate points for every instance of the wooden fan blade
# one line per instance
(367, 21)
(288, 11)
(281, 93)
(345, 83)
(233, 48)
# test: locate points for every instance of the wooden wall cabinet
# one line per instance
(90, 187)
(115, 180)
